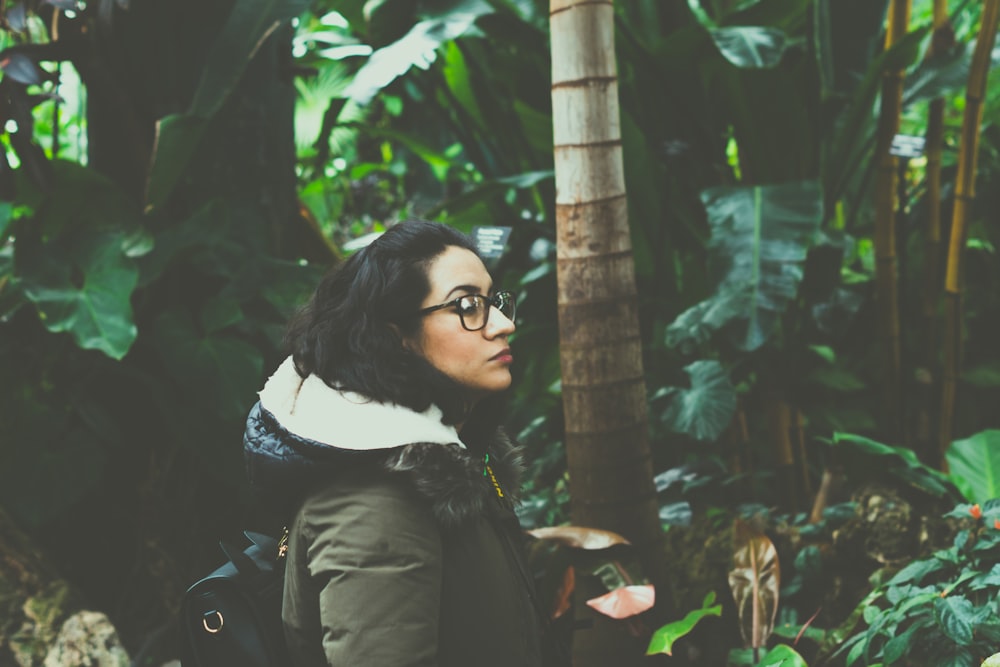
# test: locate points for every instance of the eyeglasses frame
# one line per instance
(493, 302)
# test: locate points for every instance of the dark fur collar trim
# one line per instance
(452, 478)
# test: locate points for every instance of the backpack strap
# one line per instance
(243, 563)
(267, 544)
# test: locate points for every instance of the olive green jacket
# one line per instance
(404, 550)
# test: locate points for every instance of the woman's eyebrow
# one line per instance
(468, 289)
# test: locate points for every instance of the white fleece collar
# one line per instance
(311, 409)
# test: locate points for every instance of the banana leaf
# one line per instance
(179, 135)
(415, 49)
(760, 238)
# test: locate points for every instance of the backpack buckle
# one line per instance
(215, 626)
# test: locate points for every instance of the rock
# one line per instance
(87, 639)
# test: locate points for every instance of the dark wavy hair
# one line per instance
(350, 332)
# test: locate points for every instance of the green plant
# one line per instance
(781, 655)
(663, 639)
(974, 465)
(864, 458)
(942, 610)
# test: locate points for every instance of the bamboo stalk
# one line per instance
(780, 419)
(942, 40)
(886, 279)
(965, 192)
(801, 459)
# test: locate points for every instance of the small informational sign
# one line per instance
(490, 241)
(906, 145)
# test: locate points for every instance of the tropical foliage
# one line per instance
(169, 196)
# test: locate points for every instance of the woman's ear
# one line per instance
(406, 342)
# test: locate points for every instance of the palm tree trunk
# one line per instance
(965, 192)
(604, 391)
(886, 279)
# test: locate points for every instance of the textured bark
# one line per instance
(604, 391)
(965, 193)
(886, 278)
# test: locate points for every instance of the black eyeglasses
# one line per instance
(474, 309)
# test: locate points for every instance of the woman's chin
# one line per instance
(489, 388)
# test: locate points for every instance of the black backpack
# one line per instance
(233, 616)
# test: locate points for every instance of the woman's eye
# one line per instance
(469, 304)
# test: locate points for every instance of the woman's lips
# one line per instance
(504, 357)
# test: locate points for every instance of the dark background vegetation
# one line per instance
(178, 174)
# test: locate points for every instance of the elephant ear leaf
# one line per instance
(706, 409)
(757, 252)
(83, 285)
(755, 581)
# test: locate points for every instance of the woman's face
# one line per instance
(479, 360)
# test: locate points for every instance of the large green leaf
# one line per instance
(783, 655)
(57, 210)
(851, 139)
(456, 75)
(6, 214)
(207, 228)
(221, 371)
(901, 644)
(956, 617)
(44, 476)
(663, 639)
(706, 409)
(760, 238)
(984, 375)
(178, 135)
(488, 190)
(858, 454)
(942, 75)
(974, 464)
(250, 23)
(82, 284)
(177, 140)
(417, 48)
(313, 100)
(846, 36)
(750, 47)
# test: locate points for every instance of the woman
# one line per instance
(404, 549)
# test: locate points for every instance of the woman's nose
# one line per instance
(499, 323)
